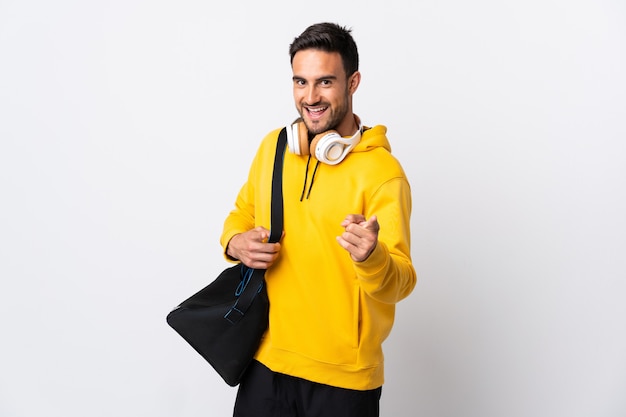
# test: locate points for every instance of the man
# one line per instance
(344, 257)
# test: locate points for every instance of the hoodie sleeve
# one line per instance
(240, 219)
(252, 206)
(243, 216)
(387, 275)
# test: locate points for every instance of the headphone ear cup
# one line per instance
(314, 142)
(303, 138)
(298, 138)
(327, 148)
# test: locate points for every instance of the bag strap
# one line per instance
(256, 276)
(276, 227)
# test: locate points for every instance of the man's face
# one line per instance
(322, 93)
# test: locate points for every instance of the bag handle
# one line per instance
(256, 276)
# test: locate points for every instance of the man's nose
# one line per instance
(312, 95)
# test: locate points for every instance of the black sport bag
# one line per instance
(225, 321)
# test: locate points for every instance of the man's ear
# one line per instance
(354, 81)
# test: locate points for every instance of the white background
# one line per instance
(127, 128)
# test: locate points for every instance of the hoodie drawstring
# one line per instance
(306, 176)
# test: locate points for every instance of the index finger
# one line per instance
(353, 218)
(371, 224)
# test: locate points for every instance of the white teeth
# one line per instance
(317, 110)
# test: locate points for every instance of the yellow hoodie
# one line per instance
(328, 314)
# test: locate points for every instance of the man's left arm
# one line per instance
(380, 245)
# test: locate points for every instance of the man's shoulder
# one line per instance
(267, 147)
(271, 137)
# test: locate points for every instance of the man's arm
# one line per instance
(380, 246)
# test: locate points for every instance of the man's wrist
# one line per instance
(230, 253)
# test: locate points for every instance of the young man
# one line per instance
(344, 258)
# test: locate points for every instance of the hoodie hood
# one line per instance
(373, 137)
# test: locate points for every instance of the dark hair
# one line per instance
(329, 37)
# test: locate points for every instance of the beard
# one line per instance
(335, 117)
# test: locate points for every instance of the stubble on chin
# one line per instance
(315, 127)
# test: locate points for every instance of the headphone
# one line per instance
(328, 147)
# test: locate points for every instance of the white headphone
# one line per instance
(328, 147)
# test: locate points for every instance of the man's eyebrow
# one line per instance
(324, 77)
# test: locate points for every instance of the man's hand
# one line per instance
(252, 248)
(360, 236)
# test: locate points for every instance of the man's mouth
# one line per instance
(316, 112)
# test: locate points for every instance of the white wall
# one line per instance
(126, 128)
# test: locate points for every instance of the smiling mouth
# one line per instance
(316, 112)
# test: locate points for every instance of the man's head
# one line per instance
(325, 61)
(329, 37)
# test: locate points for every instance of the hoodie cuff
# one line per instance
(374, 266)
(225, 242)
